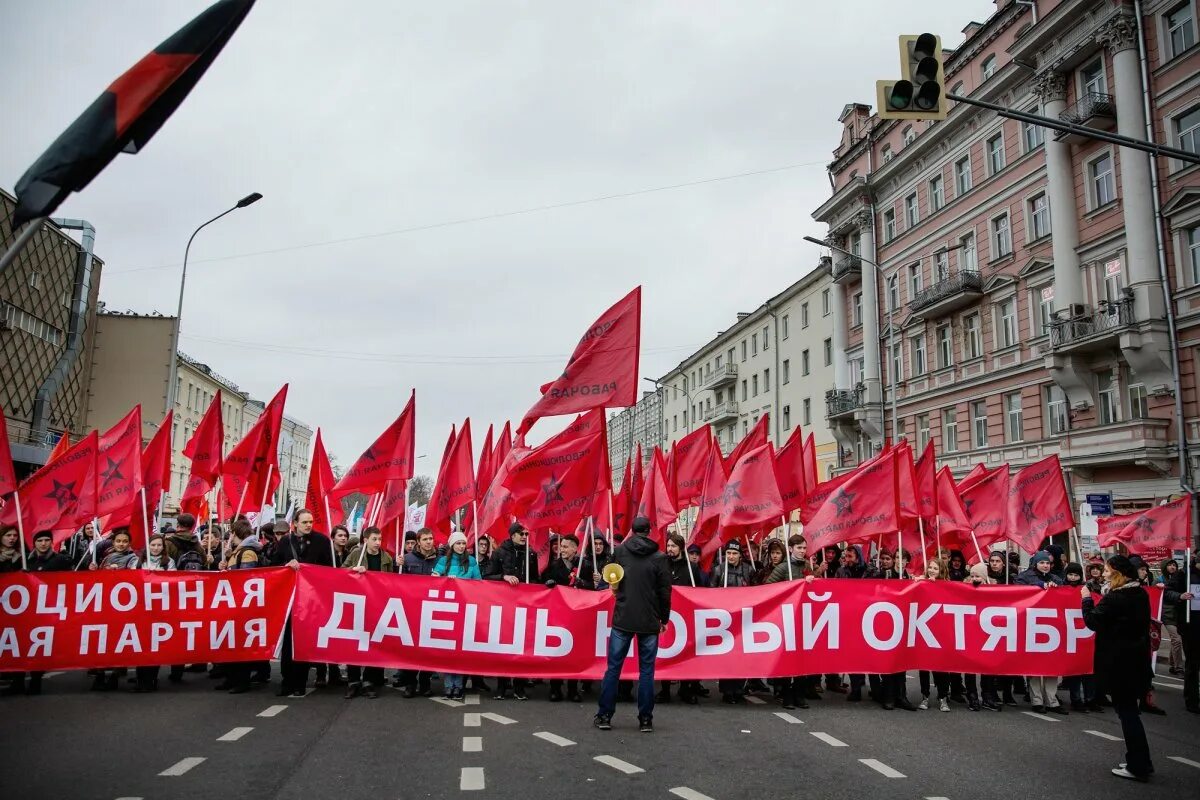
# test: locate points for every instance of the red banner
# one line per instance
(793, 628)
(130, 618)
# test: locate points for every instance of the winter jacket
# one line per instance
(1121, 621)
(51, 562)
(1031, 577)
(312, 549)
(732, 577)
(598, 561)
(178, 543)
(679, 572)
(115, 560)
(561, 572)
(859, 570)
(158, 563)
(892, 574)
(644, 593)
(351, 560)
(248, 555)
(799, 570)
(455, 569)
(509, 559)
(959, 574)
(10, 560)
(417, 564)
(1175, 586)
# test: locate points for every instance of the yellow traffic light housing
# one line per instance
(921, 93)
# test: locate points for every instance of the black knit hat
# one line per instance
(1123, 565)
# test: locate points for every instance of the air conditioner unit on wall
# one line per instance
(1078, 310)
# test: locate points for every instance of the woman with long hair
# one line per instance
(935, 570)
(456, 563)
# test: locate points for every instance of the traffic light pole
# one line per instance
(1082, 130)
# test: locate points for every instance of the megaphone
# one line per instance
(612, 574)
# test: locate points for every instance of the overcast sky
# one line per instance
(361, 118)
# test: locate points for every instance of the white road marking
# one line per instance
(472, 744)
(503, 720)
(758, 701)
(937, 798)
(829, 740)
(618, 764)
(447, 702)
(127, 798)
(553, 738)
(272, 711)
(471, 720)
(1187, 761)
(50, 674)
(234, 735)
(182, 766)
(1103, 735)
(471, 779)
(471, 699)
(882, 768)
(1042, 717)
(689, 794)
(786, 717)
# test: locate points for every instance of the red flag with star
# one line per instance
(757, 437)
(60, 448)
(119, 465)
(751, 495)
(251, 470)
(689, 457)
(8, 475)
(391, 457)
(656, 503)
(986, 502)
(455, 486)
(554, 484)
(60, 496)
(1038, 505)
(1166, 526)
(862, 507)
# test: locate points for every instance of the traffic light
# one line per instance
(921, 93)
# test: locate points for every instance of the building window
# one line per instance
(972, 336)
(968, 260)
(766, 380)
(988, 68)
(754, 344)
(908, 135)
(950, 431)
(917, 345)
(1113, 280)
(754, 386)
(825, 302)
(1101, 183)
(766, 338)
(856, 315)
(784, 323)
(1006, 323)
(745, 427)
(718, 363)
(945, 347)
(1107, 397)
(804, 363)
(937, 194)
(915, 281)
(787, 370)
(1014, 418)
(743, 352)
(1001, 237)
(912, 214)
(922, 431)
(889, 225)
(1038, 210)
(979, 431)
(941, 265)
(730, 357)
(1091, 78)
(1187, 130)
(1138, 408)
(1181, 31)
(803, 316)
(1057, 419)
(745, 395)
(828, 352)
(897, 362)
(1193, 247)
(887, 153)
(18, 319)
(995, 153)
(1043, 303)
(856, 243)
(1034, 136)
(787, 418)
(807, 411)
(962, 175)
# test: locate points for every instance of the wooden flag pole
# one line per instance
(21, 531)
(924, 552)
(146, 531)
(978, 551)
(787, 552)
(270, 468)
(329, 525)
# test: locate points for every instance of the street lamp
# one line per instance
(173, 372)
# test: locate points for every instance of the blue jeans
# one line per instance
(452, 681)
(618, 647)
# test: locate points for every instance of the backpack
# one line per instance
(191, 561)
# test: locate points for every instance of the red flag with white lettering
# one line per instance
(1038, 505)
(1165, 526)
(390, 457)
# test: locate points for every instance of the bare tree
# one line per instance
(419, 490)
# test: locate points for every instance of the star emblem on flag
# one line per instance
(1027, 511)
(1144, 523)
(552, 490)
(111, 473)
(63, 494)
(730, 492)
(844, 501)
(369, 453)
(967, 503)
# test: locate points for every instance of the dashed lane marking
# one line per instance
(471, 720)
(758, 701)
(471, 779)
(51, 674)
(553, 738)
(786, 717)
(234, 735)
(124, 798)
(472, 744)
(272, 711)
(829, 740)
(937, 798)
(447, 702)
(882, 768)
(503, 720)
(1104, 735)
(182, 766)
(618, 764)
(1187, 761)
(689, 794)
(471, 700)
(1042, 717)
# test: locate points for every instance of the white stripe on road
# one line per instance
(829, 740)
(553, 738)
(471, 699)
(1104, 735)
(503, 720)
(447, 702)
(786, 717)
(1187, 761)
(50, 674)
(272, 711)
(129, 798)
(689, 794)
(471, 720)
(182, 766)
(471, 779)
(472, 744)
(758, 701)
(937, 798)
(1042, 717)
(234, 735)
(618, 764)
(882, 768)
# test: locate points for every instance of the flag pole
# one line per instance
(787, 553)
(26, 236)
(750, 550)
(146, 529)
(329, 524)
(474, 524)
(266, 489)
(21, 532)
(978, 551)
(611, 520)
(924, 552)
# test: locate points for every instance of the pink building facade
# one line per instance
(1018, 309)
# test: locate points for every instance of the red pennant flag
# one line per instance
(977, 473)
(986, 502)
(495, 507)
(906, 487)
(553, 486)
(390, 458)
(8, 475)
(689, 457)
(953, 524)
(455, 486)
(656, 503)
(119, 465)
(156, 477)
(504, 443)
(751, 496)
(712, 500)
(60, 496)
(320, 484)
(789, 472)
(483, 479)
(1166, 526)
(925, 485)
(251, 470)
(391, 508)
(811, 477)
(129, 112)
(205, 450)
(621, 501)
(1038, 505)
(757, 437)
(603, 370)
(861, 507)
(60, 448)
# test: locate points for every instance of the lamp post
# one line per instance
(173, 372)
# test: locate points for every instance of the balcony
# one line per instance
(949, 294)
(1094, 331)
(1143, 442)
(844, 402)
(722, 413)
(846, 269)
(1094, 110)
(721, 376)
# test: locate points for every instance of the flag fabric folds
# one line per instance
(862, 506)
(455, 486)
(656, 503)
(119, 465)
(985, 501)
(1038, 505)
(60, 496)
(250, 472)
(205, 450)
(320, 484)
(751, 496)
(8, 475)
(712, 496)
(390, 457)
(156, 477)
(789, 472)
(689, 456)
(1166, 526)
(757, 437)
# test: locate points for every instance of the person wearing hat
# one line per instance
(514, 562)
(732, 573)
(456, 563)
(1179, 594)
(599, 558)
(1080, 687)
(1043, 689)
(567, 569)
(694, 551)
(41, 559)
(1121, 622)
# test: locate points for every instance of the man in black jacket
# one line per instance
(1178, 591)
(302, 546)
(566, 570)
(642, 610)
(513, 562)
(684, 572)
(42, 559)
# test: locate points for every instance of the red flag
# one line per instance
(811, 477)
(495, 507)
(600, 512)
(757, 437)
(789, 472)
(156, 477)
(925, 485)
(8, 475)
(603, 370)
(390, 508)
(483, 478)
(119, 465)
(978, 472)
(60, 495)
(815, 498)
(1167, 526)
(1038, 505)
(60, 448)
(552, 487)
(251, 470)
(455, 486)
(861, 507)
(952, 520)
(656, 503)
(712, 496)
(391, 457)
(622, 501)
(205, 450)
(320, 484)
(751, 496)
(504, 443)
(986, 502)
(906, 487)
(689, 456)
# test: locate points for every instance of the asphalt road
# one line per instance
(190, 742)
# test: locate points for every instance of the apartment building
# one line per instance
(1028, 281)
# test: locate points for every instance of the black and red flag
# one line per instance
(128, 113)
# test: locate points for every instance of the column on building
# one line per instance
(837, 299)
(870, 311)
(1060, 189)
